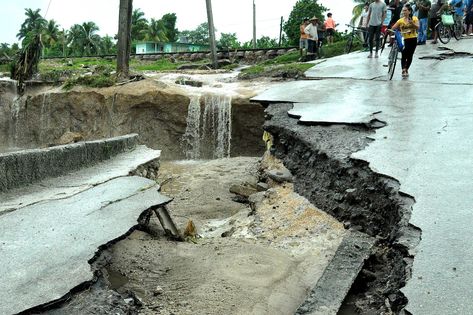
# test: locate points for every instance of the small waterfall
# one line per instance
(15, 111)
(208, 133)
(44, 119)
(192, 135)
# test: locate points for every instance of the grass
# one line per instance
(158, 65)
(95, 80)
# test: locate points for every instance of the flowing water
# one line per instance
(208, 131)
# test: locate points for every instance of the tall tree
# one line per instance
(124, 38)
(229, 40)
(83, 39)
(156, 31)
(34, 22)
(301, 10)
(357, 11)
(169, 22)
(51, 33)
(198, 36)
(90, 40)
(139, 24)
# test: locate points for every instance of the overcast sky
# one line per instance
(229, 16)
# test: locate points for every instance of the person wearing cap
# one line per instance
(303, 45)
(311, 31)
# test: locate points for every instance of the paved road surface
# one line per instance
(427, 145)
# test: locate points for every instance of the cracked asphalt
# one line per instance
(425, 145)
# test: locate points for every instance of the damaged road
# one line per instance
(49, 238)
(420, 159)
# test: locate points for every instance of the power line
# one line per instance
(47, 10)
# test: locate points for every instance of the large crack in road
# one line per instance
(319, 158)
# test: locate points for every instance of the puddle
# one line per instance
(116, 279)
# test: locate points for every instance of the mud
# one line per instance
(319, 158)
(261, 259)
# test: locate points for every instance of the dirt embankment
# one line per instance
(155, 110)
(319, 158)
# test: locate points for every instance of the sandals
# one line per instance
(404, 73)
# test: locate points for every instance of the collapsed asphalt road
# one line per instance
(423, 153)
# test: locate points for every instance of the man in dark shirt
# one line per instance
(424, 8)
(396, 8)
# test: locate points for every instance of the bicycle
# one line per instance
(393, 53)
(448, 27)
(354, 38)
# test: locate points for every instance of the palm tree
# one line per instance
(138, 25)
(91, 40)
(107, 46)
(357, 10)
(83, 38)
(51, 33)
(156, 31)
(34, 22)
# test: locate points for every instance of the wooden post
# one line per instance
(213, 45)
(254, 24)
(124, 38)
(280, 31)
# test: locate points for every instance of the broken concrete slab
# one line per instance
(331, 289)
(29, 166)
(46, 247)
(426, 148)
(75, 182)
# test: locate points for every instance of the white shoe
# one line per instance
(471, 34)
(370, 55)
(376, 55)
(464, 35)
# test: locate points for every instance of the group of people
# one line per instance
(312, 34)
(412, 20)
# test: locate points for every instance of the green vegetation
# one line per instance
(286, 66)
(158, 65)
(302, 9)
(99, 80)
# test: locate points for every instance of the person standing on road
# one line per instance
(424, 7)
(459, 7)
(469, 17)
(376, 15)
(409, 25)
(435, 17)
(303, 45)
(311, 31)
(329, 28)
(364, 24)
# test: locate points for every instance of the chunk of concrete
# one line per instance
(46, 247)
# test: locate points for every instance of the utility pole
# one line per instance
(213, 45)
(280, 31)
(254, 24)
(124, 38)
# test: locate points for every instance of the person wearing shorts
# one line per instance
(469, 17)
(435, 17)
(329, 28)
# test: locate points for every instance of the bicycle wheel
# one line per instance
(384, 40)
(392, 60)
(349, 45)
(443, 33)
(457, 31)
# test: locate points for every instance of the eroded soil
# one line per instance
(245, 260)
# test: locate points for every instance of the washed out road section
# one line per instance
(426, 146)
(45, 248)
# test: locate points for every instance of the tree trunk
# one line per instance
(124, 38)
(213, 46)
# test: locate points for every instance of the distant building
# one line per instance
(152, 47)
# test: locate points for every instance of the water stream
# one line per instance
(209, 129)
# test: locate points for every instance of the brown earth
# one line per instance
(244, 261)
